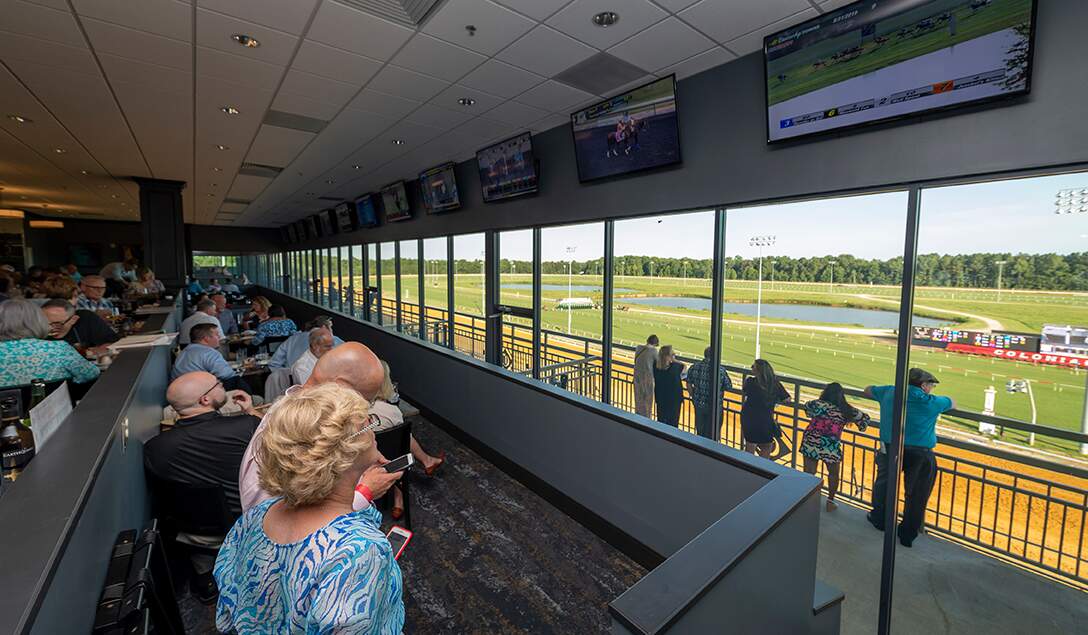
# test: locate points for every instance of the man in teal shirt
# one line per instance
(919, 438)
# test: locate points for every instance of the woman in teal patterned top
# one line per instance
(305, 562)
(277, 325)
(25, 354)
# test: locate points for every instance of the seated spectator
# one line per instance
(120, 271)
(258, 313)
(72, 272)
(26, 354)
(829, 415)
(205, 313)
(303, 561)
(212, 286)
(82, 329)
(320, 343)
(229, 287)
(293, 347)
(93, 289)
(147, 283)
(203, 355)
(227, 324)
(32, 283)
(277, 325)
(194, 287)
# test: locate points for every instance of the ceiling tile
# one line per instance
(554, 97)
(355, 31)
(72, 58)
(432, 115)
(731, 19)
(535, 9)
(752, 42)
(299, 105)
(495, 26)
(327, 90)
(434, 57)
(247, 188)
(484, 101)
(137, 72)
(394, 80)
(289, 16)
(577, 20)
(677, 5)
(137, 45)
(546, 51)
(237, 68)
(334, 63)
(661, 45)
(383, 104)
(516, 114)
(34, 20)
(215, 30)
(699, 63)
(277, 146)
(499, 78)
(168, 18)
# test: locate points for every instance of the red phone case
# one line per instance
(407, 540)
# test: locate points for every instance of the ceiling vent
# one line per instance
(407, 12)
(330, 198)
(256, 169)
(292, 121)
(600, 74)
(236, 201)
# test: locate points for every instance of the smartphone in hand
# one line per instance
(399, 537)
(399, 464)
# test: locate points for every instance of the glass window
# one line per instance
(409, 286)
(516, 290)
(388, 284)
(356, 284)
(572, 291)
(373, 299)
(468, 294)
(436, 289)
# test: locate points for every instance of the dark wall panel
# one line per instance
(232, 240)
(726, 158)
(104, 240)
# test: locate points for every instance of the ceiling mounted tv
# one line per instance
(300, 230)
(366, 211)
(328, 222)
(636, 130)
(313, 228)
(345, 216)
(395, 202)
(438, 189)
(292, 236)
(879, 60)
(508, 168)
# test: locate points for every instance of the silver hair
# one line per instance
(21, 320)
(316, 335)
(69, 310)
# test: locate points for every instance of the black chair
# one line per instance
(270, 343)
(138, 594)
(392, 443)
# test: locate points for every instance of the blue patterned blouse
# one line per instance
(340, 579)
(274, 328)
(50, 360)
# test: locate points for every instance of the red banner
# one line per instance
(1051, 359)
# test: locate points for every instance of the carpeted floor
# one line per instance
(489, 556)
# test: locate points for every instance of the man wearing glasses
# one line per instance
(92, 289)
(82, 329)
(919, 439)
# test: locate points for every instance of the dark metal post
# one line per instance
(492, 322)
(895, 448)
(537, 300)
(608, 288)
(340, 279)
(351, 281)
(451, 318)
(420, 263)
(378, 279)
(716, 292)
(396, 282)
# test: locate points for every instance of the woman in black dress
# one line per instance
(668, 390)
(762, 392)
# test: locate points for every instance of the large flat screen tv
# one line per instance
(366, 211)
(300, 230)
(636, 130)
(345, 216)
(438, 189)
(508, 168)
(328, 222)
(312, 227)
(878, 60)
(395, 202)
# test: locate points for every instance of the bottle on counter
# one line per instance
(14, 450)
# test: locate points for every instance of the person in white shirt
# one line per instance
(205, 314)
(120, 271)
(320, 343)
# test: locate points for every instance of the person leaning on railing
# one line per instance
(822, 440)
(919, 439)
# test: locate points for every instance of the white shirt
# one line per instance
(303, 367)
(188, 323)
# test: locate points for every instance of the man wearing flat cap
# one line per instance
(919, 438)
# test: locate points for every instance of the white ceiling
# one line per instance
(134, 88)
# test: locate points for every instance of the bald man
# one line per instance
(358, 368)
(205, 447)
(320, 343)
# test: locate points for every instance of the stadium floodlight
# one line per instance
(760, 242)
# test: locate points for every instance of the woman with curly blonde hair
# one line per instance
(303, 561)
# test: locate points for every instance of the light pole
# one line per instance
(760, 242)
(831, 285)
(1000, 269)
(570, 269)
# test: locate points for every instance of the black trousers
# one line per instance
(919, 474)
(704, 423)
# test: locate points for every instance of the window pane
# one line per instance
(372, 282)
(409, 286)
(355, 296)
(516, 289)
(468, 294)
(658, 292)
(571, 316)
(435, 289)
(388, 287)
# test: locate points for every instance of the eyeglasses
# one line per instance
(57, 325)
(89, 286)
(214, 386)
(373, 422)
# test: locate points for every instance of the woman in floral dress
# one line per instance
(822, 439)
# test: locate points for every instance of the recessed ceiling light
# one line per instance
(330, 181)
(20, 119)
(311, 193)
(84, 172)
(467, 101)
(217, 169)
(356, 167)
(605, 19)
(211, 196)
(245, 40)
(398, 142)
(59, 150)
(471, 29)
(230, 110)
(220, 146)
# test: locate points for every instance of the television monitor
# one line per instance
(345, 216)
(438, 189)
(366, 211)
(313, 228)
(302, 230)
(878, 60)
(395, 202)
(327, 218)
(633, 131)
(508, 168)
